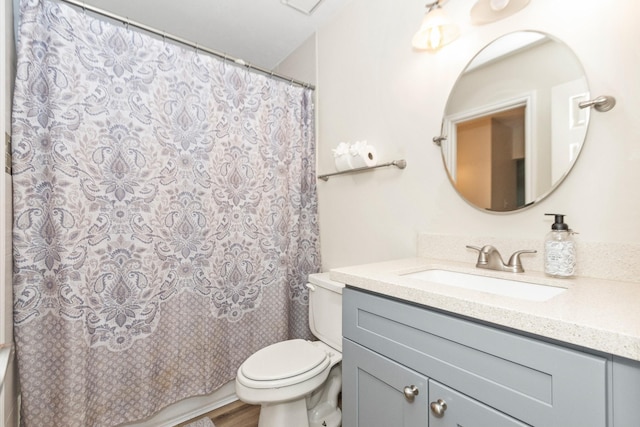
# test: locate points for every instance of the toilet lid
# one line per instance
(283, 360)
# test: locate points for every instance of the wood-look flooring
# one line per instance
(235, 414)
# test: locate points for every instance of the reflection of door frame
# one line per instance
(527, 100)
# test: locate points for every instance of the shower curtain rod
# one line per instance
(180, 40)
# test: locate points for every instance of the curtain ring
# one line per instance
(127, 22)
(164, 37)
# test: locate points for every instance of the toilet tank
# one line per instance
(325, 309)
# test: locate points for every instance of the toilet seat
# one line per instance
(283, 364)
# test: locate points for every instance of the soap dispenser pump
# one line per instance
(559, 249)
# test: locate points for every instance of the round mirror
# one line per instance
(512, 128)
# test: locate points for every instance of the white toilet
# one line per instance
(297, 382)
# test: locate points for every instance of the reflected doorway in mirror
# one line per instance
(491, 160)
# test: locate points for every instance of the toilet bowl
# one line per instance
(297, 382)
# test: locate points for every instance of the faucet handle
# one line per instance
(482, 256)
(483, 253)
(514, 264)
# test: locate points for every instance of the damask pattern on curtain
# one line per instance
(165, 218)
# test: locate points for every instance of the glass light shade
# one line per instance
(486, 11)
(436, 31)
(497, 5)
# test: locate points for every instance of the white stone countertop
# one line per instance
(598, 314)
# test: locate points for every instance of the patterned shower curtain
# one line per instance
(165, 218)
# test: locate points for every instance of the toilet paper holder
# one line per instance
(400, 164)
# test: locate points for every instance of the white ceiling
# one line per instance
(260, 32)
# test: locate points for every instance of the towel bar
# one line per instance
(400, 164)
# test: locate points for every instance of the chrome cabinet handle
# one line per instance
(410, 392)
(438, 408)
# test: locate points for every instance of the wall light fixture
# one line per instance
(436, 29)
(486, 11)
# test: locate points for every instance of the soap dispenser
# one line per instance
(559, 249)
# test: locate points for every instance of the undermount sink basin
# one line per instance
(505, 287)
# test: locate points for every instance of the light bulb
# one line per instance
(435, 37)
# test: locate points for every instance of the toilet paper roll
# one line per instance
(365, 157)
(343, 162)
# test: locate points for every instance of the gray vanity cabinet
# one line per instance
(486, 377)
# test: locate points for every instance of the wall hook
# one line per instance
(602, 103)
(438, 140)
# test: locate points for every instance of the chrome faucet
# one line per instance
(489, 258)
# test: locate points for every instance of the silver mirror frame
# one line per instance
(446, 129)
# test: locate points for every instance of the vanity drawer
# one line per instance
(539, 383)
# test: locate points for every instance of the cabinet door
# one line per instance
(373, 391)
(452, 409)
